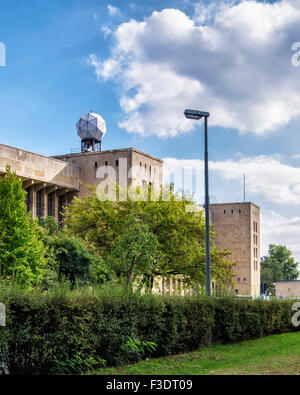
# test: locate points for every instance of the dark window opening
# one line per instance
(117, 163)
(39, 203)
(60, 208)
(50, 205)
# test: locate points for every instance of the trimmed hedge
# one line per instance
(62, 332)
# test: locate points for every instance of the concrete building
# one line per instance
(52, 182)
(49, 183)
(128, 165)
(237, 228)
(287, 289)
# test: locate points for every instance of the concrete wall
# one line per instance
(121, 160)
(30, 166)
(233, 224)
(288, 289)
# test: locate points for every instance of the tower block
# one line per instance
(237, 228)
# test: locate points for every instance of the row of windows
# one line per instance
(117, 164)
(239, 279)
(255, 240)
(232, 211)
(255, 265)
(106, 163)
(50, 205)
(255, 252)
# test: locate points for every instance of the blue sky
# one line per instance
(140, 64)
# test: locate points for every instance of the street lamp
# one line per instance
(195, 114)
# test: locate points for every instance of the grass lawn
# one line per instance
(276, 354)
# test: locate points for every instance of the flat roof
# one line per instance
(34, 153)
(231, 204)
(109, 151)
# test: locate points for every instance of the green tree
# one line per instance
(70, 259)
(136, 253)
(21, 251)
(278, 265)
(180, 233)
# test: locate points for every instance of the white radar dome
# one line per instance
(91, 126)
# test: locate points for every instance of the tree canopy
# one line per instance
(21, 251)
(180, 233)
(278, 265)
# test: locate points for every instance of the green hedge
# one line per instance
(64, 332)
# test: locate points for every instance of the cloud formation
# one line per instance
(268, 180)
(231, 60)
(277, 229)
(266, 176)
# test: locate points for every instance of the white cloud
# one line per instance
(266, 177)
(231, 60)
(113, 11)
(277, 229)
(268, 180)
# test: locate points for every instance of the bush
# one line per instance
(70, 259)
(64, 331)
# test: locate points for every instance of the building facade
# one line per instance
(237, 228)
(127, 166)
(287, 289)
(52, 182)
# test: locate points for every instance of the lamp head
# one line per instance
(195, 114)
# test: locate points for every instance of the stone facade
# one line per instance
(128, 165)
(288, 289)
(237, 228)
(50, 183)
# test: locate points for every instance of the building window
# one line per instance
(224, 211)
(240, 211)
(244, 279)
(39, 203)
(60, 208)
(238, 279)
(236, 291)
(231, 211)
(117, 163)
(50, 204)
(106, 163)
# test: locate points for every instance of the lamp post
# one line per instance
(195, 114)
